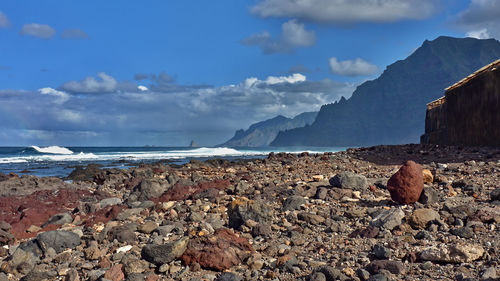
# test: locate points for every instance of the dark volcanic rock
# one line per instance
(293, 202)
(219, 252)
(161, 254)
(150, 188)
(84, 174)
(122, 233)
(228, 276)
(429, 195)
(349, 180)
(407, 184)
(395, 267)
(242, 210)
(59, 240)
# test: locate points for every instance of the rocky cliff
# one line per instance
(391, 108)
(263, 133)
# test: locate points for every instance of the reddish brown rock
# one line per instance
(219, 252)
(407, 184)
(35, 209)
(115, 273)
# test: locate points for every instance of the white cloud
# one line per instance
(4, 20)
(293, 35)
(62, 96)
(481, 19)
(294, 78)
(142, 88)
(479, 34)
(347, 11)
(91, 85)
(357, 67)
(42, 31)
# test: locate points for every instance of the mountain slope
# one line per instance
(263, 133)
(391, 108)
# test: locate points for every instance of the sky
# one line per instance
(120, 73)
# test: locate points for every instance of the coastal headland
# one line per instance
(330, 216)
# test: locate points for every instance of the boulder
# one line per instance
(219, 251)
(350, 180)
(293, 203)
(457, 253)
(421, 217)
(388, 219)
(406, 185)
(243, 209)
(59, 240)
(161, 254)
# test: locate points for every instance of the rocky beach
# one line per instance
(407, 212)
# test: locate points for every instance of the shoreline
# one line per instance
(278, 217)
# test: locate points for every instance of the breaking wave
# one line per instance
(52, 149)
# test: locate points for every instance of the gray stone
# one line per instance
(109, 202)
(363, 274)
(242, 210)
(228, 276)
(331, 273)
(150, 188)
(59, 240)
(464, 232)
(350, 180)
(381, 252)
(489, 273)
(321, 193)
(59, 219)
(429, 195)
(262, 230)
(161, 254)
(395, 267)
(388, 219)
(22, 261)
(122, 233)
(317, 276)
(495, 195)
(293, 202)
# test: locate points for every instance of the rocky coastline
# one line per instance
(361, 214)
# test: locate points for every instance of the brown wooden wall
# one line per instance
(470, 115)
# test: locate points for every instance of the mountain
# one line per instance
(262, 133)
(391, 109)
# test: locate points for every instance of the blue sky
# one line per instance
(70, 70)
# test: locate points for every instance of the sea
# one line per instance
(60, 161)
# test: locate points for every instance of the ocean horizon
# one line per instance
(59, 161)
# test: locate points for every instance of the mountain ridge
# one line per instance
(391, 108)
(261, 134)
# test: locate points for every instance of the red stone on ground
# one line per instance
(407, 184)
(219, 252)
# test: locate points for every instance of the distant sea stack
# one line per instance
(193, 144)
(469, 112)
(263, 133)
(391, 108)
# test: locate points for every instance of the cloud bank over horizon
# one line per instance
(99, 112)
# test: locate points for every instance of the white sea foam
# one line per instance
(62, 154)
(52, 149)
